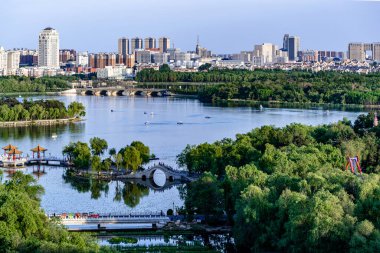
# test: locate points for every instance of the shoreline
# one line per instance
(16, 94)
(232, 102)
(45, 122)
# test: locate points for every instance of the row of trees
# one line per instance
(12, 110)
(275, 85)
(85, 156)
(285, 189)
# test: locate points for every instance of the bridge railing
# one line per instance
(81, 216)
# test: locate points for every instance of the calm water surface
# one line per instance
(162, 134)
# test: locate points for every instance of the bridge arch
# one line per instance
(89, 93)
(105, 93)
(120, 93)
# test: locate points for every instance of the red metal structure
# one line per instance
(354, 164)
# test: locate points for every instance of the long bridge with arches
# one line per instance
(120, 91)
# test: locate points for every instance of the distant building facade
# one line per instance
(48, 49)
(123, 46)
(136, 43)
(150, 43)
(357, 51)
(164, 44)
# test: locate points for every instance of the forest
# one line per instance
(287, 189)
(13, 110)
(16, 84)
(274, 85)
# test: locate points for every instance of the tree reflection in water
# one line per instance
(130, 192)
(38, 132)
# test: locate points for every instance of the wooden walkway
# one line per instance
(51, 161)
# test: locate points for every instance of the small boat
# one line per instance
(20, 96)
(147, 123)
(152, 113)
(145, 113)
(207, 117)
(111, 110)
(261, 108)
(179, 123)
(54, 136)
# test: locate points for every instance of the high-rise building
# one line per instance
(150, 43)
(3, 59)
(130, 61)
(160, 58)
(164, 44)
(82, 59)
(28, 57)
(123, 46)
(357, 51)
(266, 52)
(172, 52)
(13, 61)
(92, 61)
(48, 49)
(136, 43)
(66, 55)
(309, 56)
(324, 55)
(294, 48)
(143, 56)
(285, 42)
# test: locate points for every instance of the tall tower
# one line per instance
(285, 42)
(164, 44)
(48, 48)
(294, 47)
(123, 46)
(136, 43)
(150, 43)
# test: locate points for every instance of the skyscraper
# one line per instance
(123, 46)
(48, 49)
(150, 43)
(294, 47)
(136, 43)
(285, 42)
(164, 44)
(3, 59)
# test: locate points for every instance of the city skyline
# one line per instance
(219, 28)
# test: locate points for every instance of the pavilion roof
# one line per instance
(14, 152)
(38, 149)
(9, 147)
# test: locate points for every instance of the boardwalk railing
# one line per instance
(90, 215)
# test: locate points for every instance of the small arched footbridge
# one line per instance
(170, 174)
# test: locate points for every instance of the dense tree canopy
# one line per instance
(25, 228)
(286, 189)
(275, 85)
(9, 84)
(13, 110)
(84, 156)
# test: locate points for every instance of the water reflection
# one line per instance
(130, 191)
(39, 132)
(218, 242)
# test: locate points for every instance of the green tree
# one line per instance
(98, 146)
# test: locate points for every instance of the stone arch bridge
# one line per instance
(114, 91)
(170, 174)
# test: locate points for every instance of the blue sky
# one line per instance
(223, 25)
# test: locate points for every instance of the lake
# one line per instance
(154, 121)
